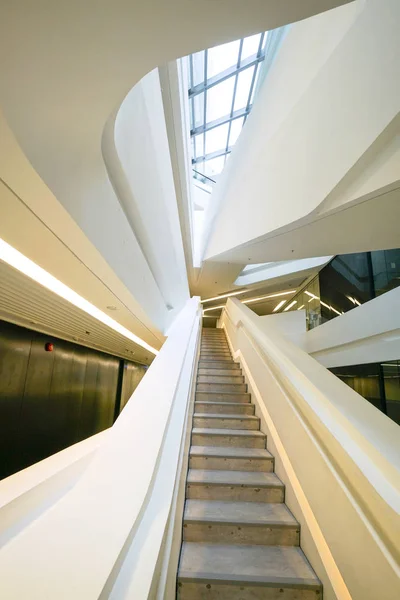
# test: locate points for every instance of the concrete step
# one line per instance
(222, 349)
(239, 523)
(221, 387)
(215, 356)
(223, 372)
(211, 396)
(225, 421)
(235, 486)
(251, 572)
(231, 459)
(226, 408)
(235, 438)
(219, 364)
(220, 378)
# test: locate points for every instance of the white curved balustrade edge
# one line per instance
(343, 453)
(27, 494)
(121, 507)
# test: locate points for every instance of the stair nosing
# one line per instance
(227, 416)
(264, 485)
(217, 431)
(221, 452)
(255, 580)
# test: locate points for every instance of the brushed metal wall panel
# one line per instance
(50, 400)
(15, 349)
(37, 414)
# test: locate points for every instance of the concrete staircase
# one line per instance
(240, 541)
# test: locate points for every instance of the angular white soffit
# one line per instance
(18, 261)
(272, 270)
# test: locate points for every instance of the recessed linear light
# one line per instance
(278, 306)
(15, 259)
(224, 296)
(300, 307)
(260, 298)
(213, 308)
(290, 305)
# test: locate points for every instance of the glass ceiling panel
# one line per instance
(250, 46)
(222, 57)
(221, 95)
(219, 100)
(197, 68)
(198, 110)
(217, 138)
(214, 166)
(236, 128)
(242, 97)
(199, 141)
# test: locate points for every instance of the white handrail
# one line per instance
(360, 444)
(77, 549)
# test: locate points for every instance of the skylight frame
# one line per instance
(207, 84)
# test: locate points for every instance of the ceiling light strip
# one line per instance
(290, 305)
(213, 308)
(278, 306)
(260, 298)
(224, 296)
(15, 259)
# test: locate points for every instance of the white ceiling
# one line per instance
(65, 69)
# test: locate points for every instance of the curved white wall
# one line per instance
(331, 93)
(65, 68)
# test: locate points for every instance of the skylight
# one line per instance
(222, 84)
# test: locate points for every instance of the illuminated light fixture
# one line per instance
(214, 308)
(330, 307)
(290, 305)
(300, 307)
(313, 296)
(24, 265)
(260, 298)
(278, 306)
(224, 296)
(354, 301)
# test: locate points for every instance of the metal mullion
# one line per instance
(260, 44)
(232, 71)
(253, 80)
(191, 71)
(205, 101)
(221, 121)
(234, 93)
(212, 155)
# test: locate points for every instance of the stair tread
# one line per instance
(248, 564)
(240, 432)
(242, 478)
(229, 452)
(249, 513)
(226, 393)
(210, 404)
(227, 416)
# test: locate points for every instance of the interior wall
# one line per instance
(368, 333)
(50, 400)
(314, 119)
(145, 187)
